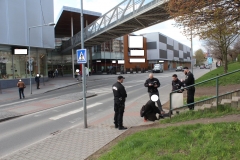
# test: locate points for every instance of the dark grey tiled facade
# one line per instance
(161, 47)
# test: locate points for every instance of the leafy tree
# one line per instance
(215, 21)
(199, 55)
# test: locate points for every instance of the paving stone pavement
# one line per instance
(78, 143)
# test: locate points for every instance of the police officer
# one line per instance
(152, 84)
(176, 84)
(120, 96)
(189, 80)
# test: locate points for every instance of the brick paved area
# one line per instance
(78, 143)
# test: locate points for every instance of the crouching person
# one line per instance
(149, 110)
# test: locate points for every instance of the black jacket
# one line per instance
(119, 92)
(177, 85)
(189, 79)
(150, 111)
(152, 81)
(37, 79)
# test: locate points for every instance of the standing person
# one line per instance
(21, 86)
(189, 80)
(152, 84)
(177, 84)
(56, 72)
(89, 71)
(37, 80)
(120, 96)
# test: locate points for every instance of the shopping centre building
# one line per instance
(15, 37)
(46, 41)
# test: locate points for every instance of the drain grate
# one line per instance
(56, 132)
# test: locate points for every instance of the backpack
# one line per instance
(142, 111)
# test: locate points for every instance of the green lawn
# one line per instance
(191, 115)
(230, 79)
(198, 142)
(196, 99)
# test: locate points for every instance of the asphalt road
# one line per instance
(23, 131)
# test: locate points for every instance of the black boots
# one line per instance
(122, 128)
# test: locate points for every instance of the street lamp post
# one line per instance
(29, 52)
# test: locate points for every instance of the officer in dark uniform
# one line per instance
(189, 80)
(120, 96)
(177, 84)
(152, 84)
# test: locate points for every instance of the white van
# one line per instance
(158, 68)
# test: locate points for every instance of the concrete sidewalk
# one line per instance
(79, 143)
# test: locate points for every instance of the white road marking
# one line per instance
(73, 112)
(9, 104)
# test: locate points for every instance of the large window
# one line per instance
(18, 66)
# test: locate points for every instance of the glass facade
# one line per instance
(105, 56)
(63, 63)
(17, 66)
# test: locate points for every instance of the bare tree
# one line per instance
(215, 21)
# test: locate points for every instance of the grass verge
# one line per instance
(230, 79)
(207, 113)
(199, 141)
(196, 99)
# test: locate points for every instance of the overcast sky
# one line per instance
(167, 28)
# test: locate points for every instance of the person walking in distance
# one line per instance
(37, 80)
(21, 87)
(189, 80)
(120, 96)
(152, 84)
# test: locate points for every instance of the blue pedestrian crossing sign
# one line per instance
(81, 56)
(210, 60)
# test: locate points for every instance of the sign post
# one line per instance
(82, 59)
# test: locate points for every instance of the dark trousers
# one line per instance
(190, 97)
(37, 85)
(158, 101)
(21, 93)
(118, 116)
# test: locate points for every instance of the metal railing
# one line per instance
(122, 12)
(217, 91)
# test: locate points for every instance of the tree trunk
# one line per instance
(225, 62)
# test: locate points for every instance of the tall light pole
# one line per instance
(83, 72)
(191, 50)
(29, 52)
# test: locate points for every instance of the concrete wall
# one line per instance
(18, 15)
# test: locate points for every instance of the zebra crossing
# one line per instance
(104, 90)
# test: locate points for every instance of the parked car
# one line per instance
(202, 67)
(157, 68)
(179, 68)
(207, 66)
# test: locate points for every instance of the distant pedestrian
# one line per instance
(21, 87)
(56, 72)
(152, 84)
(90, 71)
(37, 80)
(189, 80)
(120, 96)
